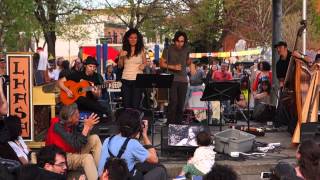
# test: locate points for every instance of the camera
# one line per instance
(5, 79)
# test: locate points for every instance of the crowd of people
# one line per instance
(130, 154)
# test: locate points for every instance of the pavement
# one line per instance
(247, 167)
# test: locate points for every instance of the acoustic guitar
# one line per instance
(79, 89)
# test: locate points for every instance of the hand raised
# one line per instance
(144, 127)
(92, 120)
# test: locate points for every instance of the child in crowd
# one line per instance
(202, 160)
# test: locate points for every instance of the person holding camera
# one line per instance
(82, 148)
(142, 160)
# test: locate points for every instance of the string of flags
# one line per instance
(227, 54)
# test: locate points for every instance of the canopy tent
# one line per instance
(91, 51)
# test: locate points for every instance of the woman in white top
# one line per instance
(133, 61)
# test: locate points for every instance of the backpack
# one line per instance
(134, 173)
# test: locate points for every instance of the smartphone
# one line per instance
(265, 175)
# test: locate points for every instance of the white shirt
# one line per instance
(43, 61)
(203, 158)
(131, 67)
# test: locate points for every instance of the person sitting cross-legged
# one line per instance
(83, 150)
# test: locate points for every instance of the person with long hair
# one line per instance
(12, 145)
(133, 61)
(175, 59)
(308, 156)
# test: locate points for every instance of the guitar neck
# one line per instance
(90, 88)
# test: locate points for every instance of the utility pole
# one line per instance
(276, 36)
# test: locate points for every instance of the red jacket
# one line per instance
(56, 139)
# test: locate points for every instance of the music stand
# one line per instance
(153, 81)
(221, 91)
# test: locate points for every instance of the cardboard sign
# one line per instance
(20, 91)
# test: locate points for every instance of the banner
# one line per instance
(226, 54)
(19, 69)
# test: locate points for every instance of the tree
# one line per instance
(16, 25)
(251, 19)
(133, 13)
(51, 14)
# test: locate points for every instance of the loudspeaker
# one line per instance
(310, 130)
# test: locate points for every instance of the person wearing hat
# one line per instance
(283, 62)
(90, 101)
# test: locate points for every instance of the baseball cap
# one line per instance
(280, 43)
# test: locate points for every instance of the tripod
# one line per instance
(153, 81)
(221, 91)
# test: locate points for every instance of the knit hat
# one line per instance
(91, 60)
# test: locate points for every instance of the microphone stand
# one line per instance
(166, 47)
(207, 81)
(249, 94)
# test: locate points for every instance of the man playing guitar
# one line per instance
(90, 101)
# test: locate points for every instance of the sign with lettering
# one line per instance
(19, 69)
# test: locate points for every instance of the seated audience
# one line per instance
(262, 94)
(140, 159)
(33, 172)
(242, 100)
(13, 146)
(83, 150)
(221, 172)
(308, 156)
(53, 159)
(202, 160)
(223, 74)
(115, 169)
(76, 65)
(265, 73)
(238, 70)
(283, 171)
